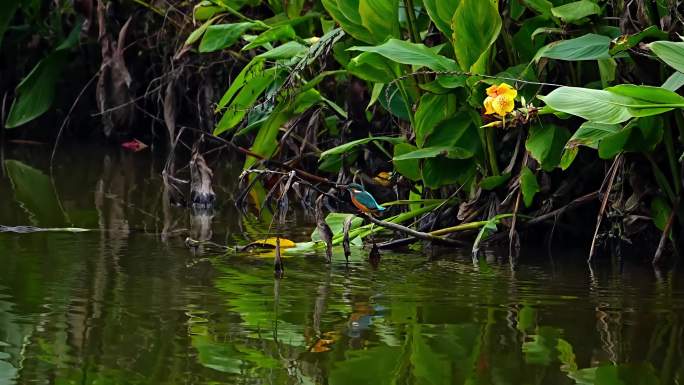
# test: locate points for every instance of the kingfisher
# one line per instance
(362, 199)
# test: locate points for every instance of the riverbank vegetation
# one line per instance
(473, 121)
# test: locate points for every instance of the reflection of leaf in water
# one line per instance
(251, 296)
(539, 350)
(375, 366)
(33, 191)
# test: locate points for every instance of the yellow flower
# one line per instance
(500, 99)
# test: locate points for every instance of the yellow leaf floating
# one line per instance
(270, 243)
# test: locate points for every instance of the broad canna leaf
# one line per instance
(615, 104)
(674, 82)
(670, 52)
(442, 13)
(576, 10)
(405, 52)
(476, 26)
(432, 110)
(36, 92)
(221, 36)
(371, 21)
(374, 68)
(409, 168)
(587, 47)
(546, 143)
(283, 32)
(590, 134)
(354, 143)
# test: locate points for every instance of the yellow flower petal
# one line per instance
(503, 104)
(502, 89)
(488, 105)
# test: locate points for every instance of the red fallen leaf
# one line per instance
(134, 145)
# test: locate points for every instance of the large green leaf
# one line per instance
(35, 94)
(221, 36)
(576, 10)
(405, 52)
(590, 134)
(670, 52)
(341, 149)
(346, 13)
(283, 32)
(457, 132)
(615, 104)
(526, 45)
(528, 185)
(431, 152)
(409, 168)
(641, 135)
(374, 68)
(432, 110)
(541, 6)
(440, 171)
(442, 13)
(371, 21)
(674, 82)
(546, 143)
(587, 47)
(6, 14)
(243, 93)
(476, 26)
(380, 17)
(266, 141)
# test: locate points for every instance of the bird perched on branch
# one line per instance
(362, 199)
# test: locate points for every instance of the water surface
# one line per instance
(129, 303)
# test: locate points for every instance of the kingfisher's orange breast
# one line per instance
(359, 205)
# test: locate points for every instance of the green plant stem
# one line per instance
(414, 34)
(493, 163)
(661, 179)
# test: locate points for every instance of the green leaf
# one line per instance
(266, 143)
(197, 34)
(476, 25)
(6, 14)
(524, 41)
(380, 17)
(440, 171)
(590, 134)
(283, 32)
(674, 82)
(408, 168)
(221, 36)
(441, 13)
(660, 212)
(36, 92)
(626, 42)
(432, 110)
(242, 95)
(670, 52)
(285, 51)
(349, 19)
(546, 144)
(543, 7)
(529, 185)
(373, 67)
(576, 10)
(615, 104)
(431, 152)
(349, 145)
(405, 52)
(457, 132)
(492, 182)
(587, 47)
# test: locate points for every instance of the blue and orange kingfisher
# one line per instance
(362, 199)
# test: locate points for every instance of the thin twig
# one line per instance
(612, 172)
(66, 118)
(417, 234)
(663, 238)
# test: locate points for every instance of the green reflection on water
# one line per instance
(129, 304)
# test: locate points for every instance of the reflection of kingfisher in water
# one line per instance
(362, 199)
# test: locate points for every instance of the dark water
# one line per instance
(129, 303)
